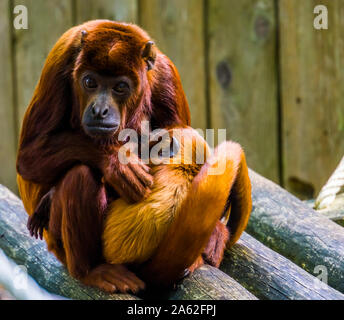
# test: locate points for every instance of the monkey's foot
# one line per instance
(213, 252)
(114, 278)
(198, 263)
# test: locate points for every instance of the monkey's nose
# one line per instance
(100, 112)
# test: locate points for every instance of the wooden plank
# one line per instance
(119, 10)
(312, 83)
(178, 29)
(290, 227)
(8, 140)
(243, 78)
(206, 283)
(271, 276)
(47, 21)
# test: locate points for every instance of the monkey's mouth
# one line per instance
(101, 129)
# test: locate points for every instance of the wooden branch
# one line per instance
(268, 275)
(290, 227)
(205, 283)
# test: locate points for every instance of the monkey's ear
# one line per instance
(149, 54)
(84, 34)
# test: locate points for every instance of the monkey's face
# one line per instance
(102, 99)
(110, 76)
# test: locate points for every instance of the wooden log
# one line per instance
(268, 275)
(291, 228)
(205, 283)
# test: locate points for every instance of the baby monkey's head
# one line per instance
(178, 147)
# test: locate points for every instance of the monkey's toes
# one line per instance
(114, 278)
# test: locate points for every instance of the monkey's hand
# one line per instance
(132, 181)
(39, 220)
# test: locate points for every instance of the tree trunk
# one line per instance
(289, 227)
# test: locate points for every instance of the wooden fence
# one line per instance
(255, 67)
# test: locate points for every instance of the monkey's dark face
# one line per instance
(110, 78)
(102, 98)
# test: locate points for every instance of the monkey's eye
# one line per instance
(90, 83)
(121, 88)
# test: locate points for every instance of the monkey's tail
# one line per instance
(223, 178)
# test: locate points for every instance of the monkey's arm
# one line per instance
(189, 233)
(47, 159)
(44, 159)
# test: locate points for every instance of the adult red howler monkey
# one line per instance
(99, 78)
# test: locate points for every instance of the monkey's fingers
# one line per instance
(121, 186)
(139, 162)
(35, 228)
(124, 193)
(36, 223)
(106, 286)
(95, 279)
(41, 233)
(28, 225)
(134, 283)
(138, 178)
(117, 282)
(141, 173)
(132, 188)
(125, 190)
(31, 225)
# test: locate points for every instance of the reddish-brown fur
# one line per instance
(55, 152)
